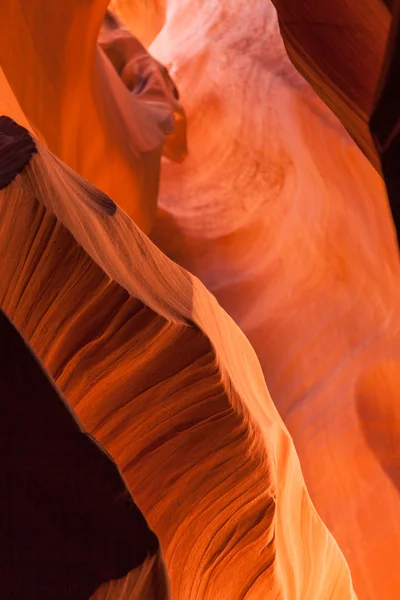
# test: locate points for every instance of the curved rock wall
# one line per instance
(167, 383)
(286, 222)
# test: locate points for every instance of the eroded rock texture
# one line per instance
(339, 48)
(68, 523)
(385, 121)
(107, 119)
(280, 215)
(348, 54)
(167, 383)
(283, 218)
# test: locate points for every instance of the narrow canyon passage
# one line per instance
(280, 210)
(284, 219)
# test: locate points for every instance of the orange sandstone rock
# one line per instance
(168, 384)
(378, 407)
(283, 218)
(339, 48)
(68, 523)
(145, 18)
(74, 99)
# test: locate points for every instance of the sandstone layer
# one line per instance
(339, 48)
(108, 124)
(280, 215)
(283, 218)
(385, 120)
(347, 52)
(68, 523)
(165, 381)
(145, 18)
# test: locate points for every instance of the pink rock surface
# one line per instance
(285, 221)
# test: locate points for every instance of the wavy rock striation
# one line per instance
(385, 121)
(349, 54)
(68, 521)
(163, 379)
(111, 130)
(283, 218)
(339, 48)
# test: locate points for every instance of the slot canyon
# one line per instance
(199, 292)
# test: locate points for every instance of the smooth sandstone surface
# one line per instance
(339, 48)
(283, 218)
(161, 376)
(385, 120)
(8, 102)
(72, 96)
(145, 18)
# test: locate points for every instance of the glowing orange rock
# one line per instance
(283, 218)
(164, 380)
(145, 18)
(378, 407)
(74, 99)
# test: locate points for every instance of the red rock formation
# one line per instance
(145, 18)
(345, 52)
(163, 379)
(378, 407)
(385, 121)
(283, 218)
(75, 101)
(68, 523)
(285, 221)
(149, 81)
(339, 48)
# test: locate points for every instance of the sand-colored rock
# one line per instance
(283, 218)
(75, 101)
(160, 375)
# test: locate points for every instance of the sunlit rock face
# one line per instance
(8, 103)
(108, 119)
(166, 382)
(145, 18)
(284, 219)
